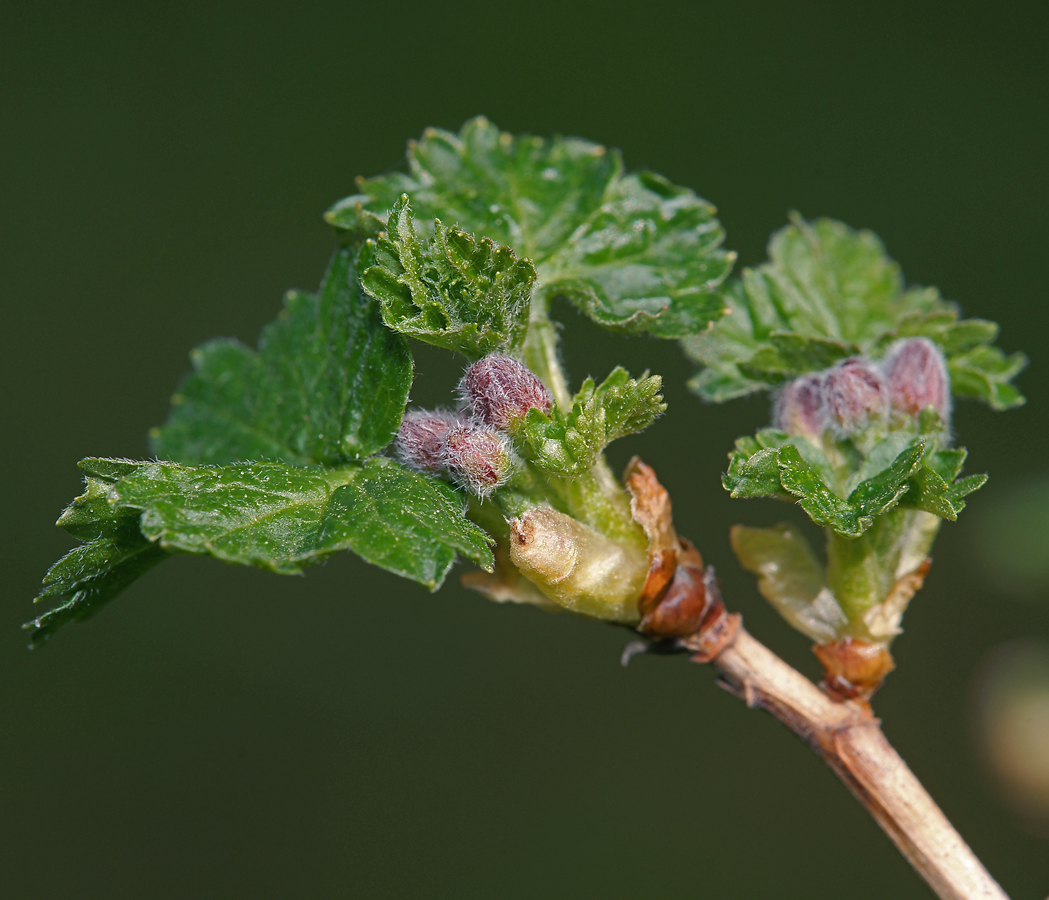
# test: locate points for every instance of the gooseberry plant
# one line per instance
(282, 455)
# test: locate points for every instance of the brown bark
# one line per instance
(850, 740)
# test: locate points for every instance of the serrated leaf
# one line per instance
(569, 443)
(935, 489)
(457, 292)
(854, 515)
(630, 405)
(775, 465)
(265, 514)
(788, 354)
(328, 385)
(754, 474)
(947, 463)
(828, 292)
(634, 252)
(898, 470)
(285, 518)
(352, 222)
(115, 552)
(985, 372)
(648, 261)
(754, 469)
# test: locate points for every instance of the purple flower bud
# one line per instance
(420, 440)
(478, 458)
(917, 377)
(801, 407)
(856, 394)
(499, 391)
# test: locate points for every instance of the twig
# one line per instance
(850, 740)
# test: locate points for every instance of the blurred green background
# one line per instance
(221, 732)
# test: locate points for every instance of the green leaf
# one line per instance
(829, 292)
(774, 465)
(754, 467)
(936, 487)
(284, 518)
(457, 292)
(115, 552)
(787, 354)
(569, 443)
(265, 514)
(985, 372)
(327, 386)
(352, 222)
(648, 261)
(899, 469)
(754, 474)
(633, 251)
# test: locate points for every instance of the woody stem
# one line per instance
(850, 740)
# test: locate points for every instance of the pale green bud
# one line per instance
(578, 568)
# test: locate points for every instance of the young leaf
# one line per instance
(634, 252)
(265, 514)
(829, 292)
(327, 386)
(985, 372)
(936, 487)
(458, 293)
(115, 552)
(790, 578)
(568, 443)
(900, 469)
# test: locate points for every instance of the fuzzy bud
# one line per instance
(578, 568)
(420, 440)
(478, 458)
(801, 407)
(499, 391)
(916, 375)
(856, 395)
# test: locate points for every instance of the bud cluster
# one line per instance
(858, 394)
(472, 446)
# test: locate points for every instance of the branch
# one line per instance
(850, 740)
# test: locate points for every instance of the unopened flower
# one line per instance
(420, 439)
(856, 395)
(917, 378)
(477, 457)
(499, 391)
(578, 568)
(801, 407)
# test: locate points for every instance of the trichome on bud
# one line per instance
(916, 375)
(499, 391)
(478, 458)
(856, 395)
(420, 439)
(801, 407)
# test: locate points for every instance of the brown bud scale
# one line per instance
(853, 669)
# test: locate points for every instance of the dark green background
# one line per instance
(221, 732)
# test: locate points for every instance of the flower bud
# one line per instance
(499, 391)
(916, 375)
(420, 440)
(801, 407)
(478, 458)
(578, 568)
(856, 395)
